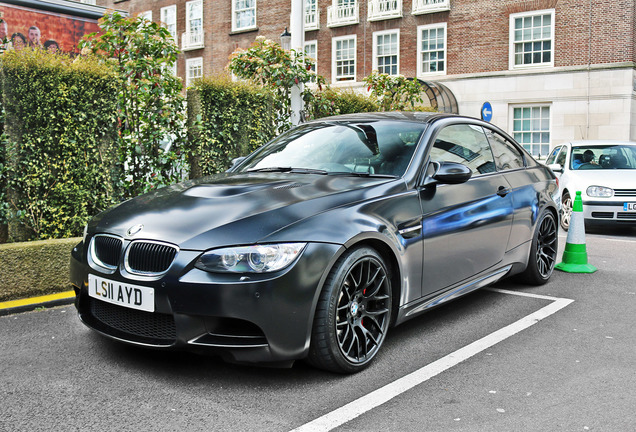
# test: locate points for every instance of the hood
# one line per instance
(612, 178)
(229, 209)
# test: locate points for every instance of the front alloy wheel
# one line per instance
(353, 313)
(566, 211)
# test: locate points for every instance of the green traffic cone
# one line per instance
(575, 253)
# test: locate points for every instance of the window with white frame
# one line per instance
(312, 17)
(194, 69)
(193, 36)
(311, 51)
(169, 19)
(531, 128)
(145, 15)
(244, 15)
(386, 50)
(431, 49)
(343, 58)
(532, 39)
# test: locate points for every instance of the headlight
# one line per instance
(85, 233)
(600, 192)
(250, 259)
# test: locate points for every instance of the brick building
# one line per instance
(552, 70)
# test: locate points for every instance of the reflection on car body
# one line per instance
(316, 244)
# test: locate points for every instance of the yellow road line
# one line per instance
(37, 300)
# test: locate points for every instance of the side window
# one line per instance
(561, 158)
(465, 144)
(507, 156)
(552, 158)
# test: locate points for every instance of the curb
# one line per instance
(29, 304)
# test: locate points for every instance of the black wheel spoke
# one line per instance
(375, 323)
(376, 287)
(369, 336)
(373, 314)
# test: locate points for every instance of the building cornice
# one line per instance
(537, 71)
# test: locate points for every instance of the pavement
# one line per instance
(29, 304)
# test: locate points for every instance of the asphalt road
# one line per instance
(569, 369)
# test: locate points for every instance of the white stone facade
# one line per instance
(599, 103)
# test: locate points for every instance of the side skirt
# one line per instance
(453, 293)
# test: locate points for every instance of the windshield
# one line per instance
(603, 157)
(357, 148)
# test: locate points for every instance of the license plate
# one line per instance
(629, 206)
(122, 294)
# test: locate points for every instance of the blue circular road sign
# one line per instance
(486, 111)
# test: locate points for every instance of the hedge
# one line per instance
(35, 268)
(60, 146)
(226, 120)
(345, 102)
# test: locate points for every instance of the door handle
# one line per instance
(503, 191)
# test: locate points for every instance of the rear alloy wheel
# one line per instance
(566, 211)
(353, 313)
(543, 252)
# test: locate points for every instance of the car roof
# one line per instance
(413, 116)
(599, 142)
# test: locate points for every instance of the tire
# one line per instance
(543, 251)
(352, 314)
(566, 211)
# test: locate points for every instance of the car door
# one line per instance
(510, 162)
(465, 226)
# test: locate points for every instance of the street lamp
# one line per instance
(285, 40)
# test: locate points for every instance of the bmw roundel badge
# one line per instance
(134, 229)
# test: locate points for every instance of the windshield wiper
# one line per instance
(309, 171)
(290, 169)
(271, 169)
(361, 174)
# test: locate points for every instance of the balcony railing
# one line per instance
(343, 15)
(312, 19)
(430, 6)
(191, 41)
(384, 9)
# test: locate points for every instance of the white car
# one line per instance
(604, 172)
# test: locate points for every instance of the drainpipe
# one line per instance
(297, 29)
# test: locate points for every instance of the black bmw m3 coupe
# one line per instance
(319, 242)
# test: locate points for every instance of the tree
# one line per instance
(394, 92)
(151, 115)
(266, 63)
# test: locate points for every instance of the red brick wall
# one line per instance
(65, 30)
(477, 40)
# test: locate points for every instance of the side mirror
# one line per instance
(556, 168)
(448, 173)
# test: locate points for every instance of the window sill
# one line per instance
(245, 30)
(532, 67)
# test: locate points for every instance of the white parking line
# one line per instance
(621, 240)
(378, 397)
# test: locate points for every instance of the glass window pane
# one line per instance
(433, 51)
(536, 34)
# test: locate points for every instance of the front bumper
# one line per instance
(261, 319)
(608, 212)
